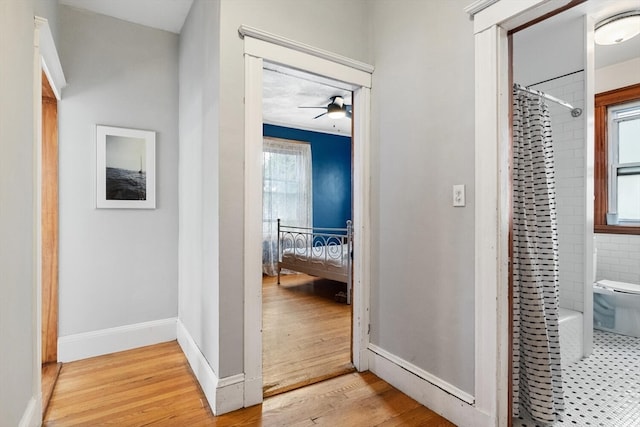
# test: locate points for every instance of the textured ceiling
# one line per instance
(283, 94)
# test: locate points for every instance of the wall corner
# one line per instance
(223, 394)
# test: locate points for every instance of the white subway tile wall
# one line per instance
(618, 257)
(569, 148)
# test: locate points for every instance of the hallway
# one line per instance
(155, 386)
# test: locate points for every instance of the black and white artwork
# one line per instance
(126, 168)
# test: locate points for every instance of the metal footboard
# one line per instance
(320, 252)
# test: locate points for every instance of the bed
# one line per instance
(320, 252)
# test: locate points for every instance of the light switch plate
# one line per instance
(458, 195)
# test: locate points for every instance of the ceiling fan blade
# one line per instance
(319, 115)
(324, 108)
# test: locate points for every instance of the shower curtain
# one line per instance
(537, 382)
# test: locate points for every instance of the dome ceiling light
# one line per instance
(618, 28)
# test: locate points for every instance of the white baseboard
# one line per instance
(223, 394)
(432, 392)
(106, 341)
(32, 416)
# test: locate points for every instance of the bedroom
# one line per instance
(307, 183)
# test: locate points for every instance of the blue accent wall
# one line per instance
(331, 164)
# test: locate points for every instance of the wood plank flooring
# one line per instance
(146, 385)
(50, 372)
(154, 386)
(306, 333)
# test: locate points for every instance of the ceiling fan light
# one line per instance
(336, 111)
(618, 28)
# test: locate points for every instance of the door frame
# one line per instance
(493, 19)
(260, 46)
(45, 59)
(49, 211)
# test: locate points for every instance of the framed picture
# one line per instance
(125, 168)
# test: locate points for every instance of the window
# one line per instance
(286, 192)
(624, 172)
(617, 161)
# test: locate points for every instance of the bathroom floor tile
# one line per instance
(603, 389)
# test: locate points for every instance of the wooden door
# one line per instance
(49, 223)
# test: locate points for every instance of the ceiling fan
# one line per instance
(336, 109)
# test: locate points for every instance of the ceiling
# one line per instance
(168, 15)
(598, 10)
(613, 54)
(283, 93)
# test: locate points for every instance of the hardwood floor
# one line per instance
(50, 372)
(146, 385)
(306, 333)
(154, 386)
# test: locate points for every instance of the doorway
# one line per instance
(307, 204)
(493, 21)
(49, 227)
(352, 76)
(589, 358)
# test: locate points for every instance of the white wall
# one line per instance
(198, 179)
(48, 9)
(422, 302)
(216, 322)
(17, 209)
(549, 49)
(618, 257)
(554, 50)
(569, 150)
(117, 267)
(618, 75)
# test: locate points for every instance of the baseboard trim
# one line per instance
(422, 374)
(111, 340)
(439, 396)
(32, 416)
(223, 394)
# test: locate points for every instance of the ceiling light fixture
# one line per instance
(336, 110)
(618, 28)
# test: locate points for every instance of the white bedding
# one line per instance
(335, 255)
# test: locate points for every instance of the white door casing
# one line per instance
(260, 46)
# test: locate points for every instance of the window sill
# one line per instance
(616, 229)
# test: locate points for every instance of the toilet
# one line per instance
(616, 306)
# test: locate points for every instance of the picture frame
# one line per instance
(125, 168)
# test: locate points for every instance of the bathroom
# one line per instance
(553, 57)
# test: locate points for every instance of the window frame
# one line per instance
(302, 148)
(603, 101)
(616, 167)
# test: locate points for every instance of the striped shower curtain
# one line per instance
(537, 381)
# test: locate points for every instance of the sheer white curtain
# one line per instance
(286, 193)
